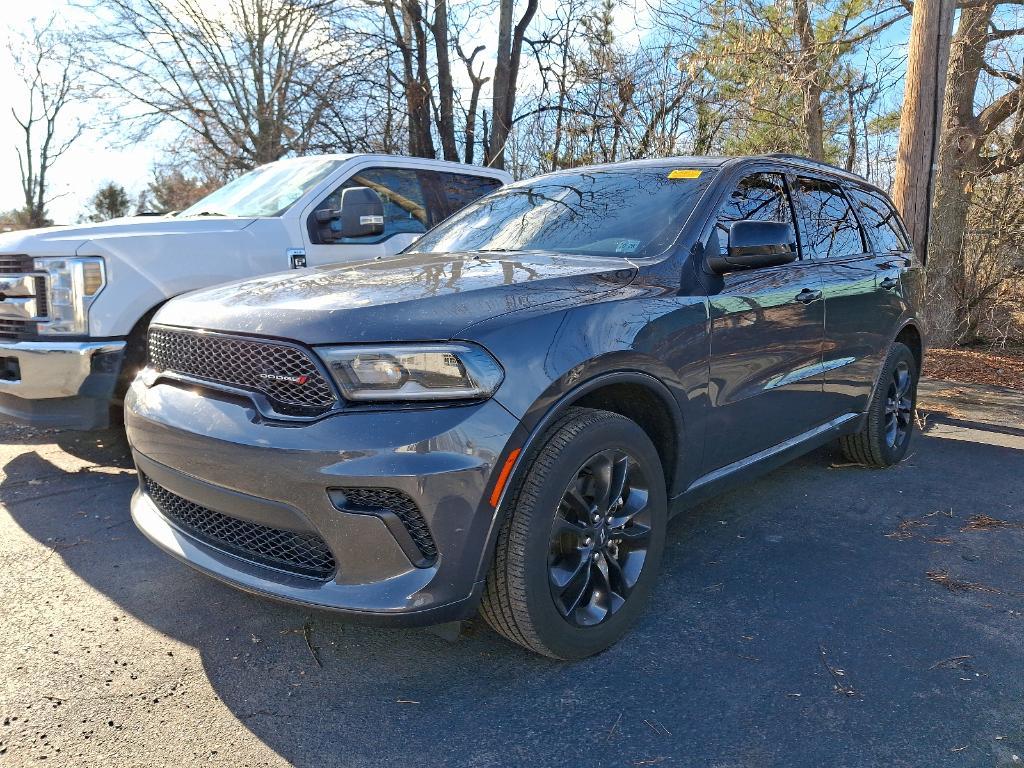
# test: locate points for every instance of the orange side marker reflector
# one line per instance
(503, 477)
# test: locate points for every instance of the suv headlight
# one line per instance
(413, 372)
(72, 285)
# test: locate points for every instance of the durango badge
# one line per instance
(300, 380)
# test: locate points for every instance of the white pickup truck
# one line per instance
(75, 301)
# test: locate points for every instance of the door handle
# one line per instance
(889, 283)
(806, 296)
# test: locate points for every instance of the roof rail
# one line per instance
(814, 163)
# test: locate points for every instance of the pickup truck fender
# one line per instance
(148, 268)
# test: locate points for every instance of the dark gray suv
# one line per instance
(505, 416)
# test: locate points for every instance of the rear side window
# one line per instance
(761, 197)
(450, 192)
(881, 224)
(828, 228)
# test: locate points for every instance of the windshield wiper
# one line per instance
(208, 213)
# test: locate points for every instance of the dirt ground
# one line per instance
(825, 615)
(996, 367)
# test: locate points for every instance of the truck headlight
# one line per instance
(413, 372)
(72, 285)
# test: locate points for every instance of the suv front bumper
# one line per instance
(59, 383)
(220, 457)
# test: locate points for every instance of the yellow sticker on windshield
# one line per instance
(684, 173)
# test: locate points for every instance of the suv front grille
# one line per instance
(287, 375)
(304, 554)
(373, 499)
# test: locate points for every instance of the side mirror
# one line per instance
(361, 215)
(754, 244)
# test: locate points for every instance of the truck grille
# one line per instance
(13, 323)
(15, 265)
(13, 330)
(287, 375)
(304, 554)
(371, 499)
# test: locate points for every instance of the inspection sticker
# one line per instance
(685, 173)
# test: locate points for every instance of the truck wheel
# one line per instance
(885, 436)
(580, 547)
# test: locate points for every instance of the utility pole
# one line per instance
(931, 28)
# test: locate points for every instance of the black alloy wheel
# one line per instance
(899, 405)
(885, 431)
(599, 538)
(580, 547)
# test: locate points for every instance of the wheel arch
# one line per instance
(635, 394)
(596, 392)
(910, 335)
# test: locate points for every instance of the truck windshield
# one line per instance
(627, 212)
(269, 190)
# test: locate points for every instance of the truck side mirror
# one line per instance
(754, 244)
(361, 215)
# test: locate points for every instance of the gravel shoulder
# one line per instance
(823, 615)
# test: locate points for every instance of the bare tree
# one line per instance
(477, 80)
(44, 62)
(506, 76)
(982, 136)
(445, 87)
(252, 79)
(409, 33)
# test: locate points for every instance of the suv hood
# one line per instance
(412, 297)
(65, 241)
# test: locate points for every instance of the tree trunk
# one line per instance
(499, 129)
(957, 163)
(812, 117)
(445, 93)
(415, 74)
(921, 116)
(477, 81)
(506, 72)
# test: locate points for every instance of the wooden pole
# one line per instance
(921, 119)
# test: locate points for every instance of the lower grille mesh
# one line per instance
(304, 554)
(404, 507)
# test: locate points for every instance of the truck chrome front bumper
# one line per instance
(59, 383)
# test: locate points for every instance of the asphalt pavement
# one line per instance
(825, 615)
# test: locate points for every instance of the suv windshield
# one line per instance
(269, 190)
(627, 212)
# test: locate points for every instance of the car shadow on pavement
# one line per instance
(790, 627)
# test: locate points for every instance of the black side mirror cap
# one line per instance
(754, 244)
(361, 215)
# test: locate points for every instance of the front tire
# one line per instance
(581, 545)
(884, 438)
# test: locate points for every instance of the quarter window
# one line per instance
(881, 224)
(828, 228)
(761, 197)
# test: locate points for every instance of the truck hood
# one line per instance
(66, 241)
(413, 297)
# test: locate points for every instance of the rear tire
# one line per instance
(581, 544)
(884, 438)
